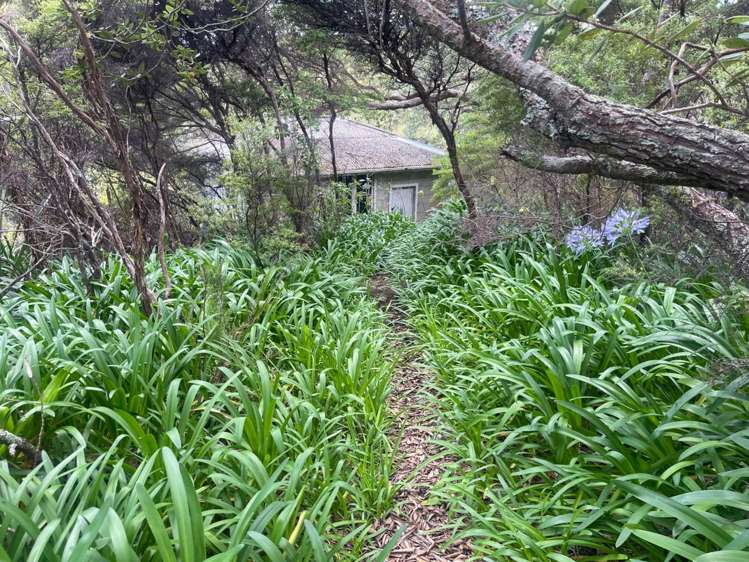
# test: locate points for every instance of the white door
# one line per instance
(403, 201)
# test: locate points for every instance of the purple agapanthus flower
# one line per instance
(583, 238)
(623, 223)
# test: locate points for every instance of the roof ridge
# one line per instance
(368, 126)
(401, 138)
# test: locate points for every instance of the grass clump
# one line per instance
(362, 239)
(585, 417)
(244, 421)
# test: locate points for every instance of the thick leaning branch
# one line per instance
(605, 167)
(710, 156)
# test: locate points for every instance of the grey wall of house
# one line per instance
(422, 179)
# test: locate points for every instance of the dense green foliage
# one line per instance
(14, 261)
(587, 421)
(244, 420)
(583, 418)
(363, 238)
(593, 406)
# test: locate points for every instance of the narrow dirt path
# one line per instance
(426, 537)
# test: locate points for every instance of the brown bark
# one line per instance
(281, 134)
(716, 158)
(331, 142)
(68, 219)
(460, 181)
(448, 134)
(719, 223)
(117, 137)
(78, 183)
(333, 116)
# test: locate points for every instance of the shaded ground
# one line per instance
(426, 537)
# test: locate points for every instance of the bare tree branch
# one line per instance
(16, 443)
(20, 277)
(413, 101)
(704, 69)
(605, 167)
(115, 136)
(160, 190)
(333, 115)
(677, 58)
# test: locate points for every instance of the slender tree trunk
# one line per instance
(161, 191)
(588, 212)
(332, 117)
(448, 134)
(331, 140)
(103, 120)
(280, 128)
(452, 151)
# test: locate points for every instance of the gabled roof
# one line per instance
(361, 149)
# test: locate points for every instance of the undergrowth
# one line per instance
(243, 421)
(587, 420)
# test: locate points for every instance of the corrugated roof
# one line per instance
(361, 148)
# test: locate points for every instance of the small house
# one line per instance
(387, 172)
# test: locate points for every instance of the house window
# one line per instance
(361, 193)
